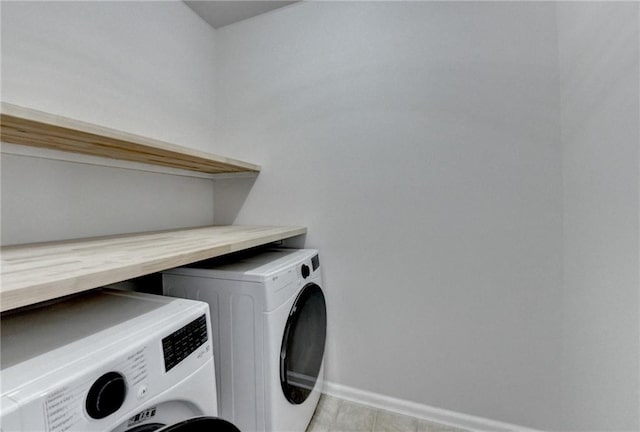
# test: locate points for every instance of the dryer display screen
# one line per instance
(179, 344)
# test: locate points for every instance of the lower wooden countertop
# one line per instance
(38, 272)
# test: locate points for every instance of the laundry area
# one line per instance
(319, 216)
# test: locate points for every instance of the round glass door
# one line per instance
(303, 344)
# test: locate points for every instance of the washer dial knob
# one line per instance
(106, 395)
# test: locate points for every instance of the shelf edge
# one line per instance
(19, 126)
(13, 298)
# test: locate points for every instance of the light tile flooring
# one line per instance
(337, 415)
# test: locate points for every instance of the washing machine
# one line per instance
(269, 316)
(109, 361)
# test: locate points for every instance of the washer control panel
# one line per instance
(114, 381)
(95, 396)
(182, 342)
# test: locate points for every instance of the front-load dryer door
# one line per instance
(303, 344)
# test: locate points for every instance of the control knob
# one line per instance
(305, 271)
(106, 395)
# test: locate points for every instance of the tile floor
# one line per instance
(337, 415)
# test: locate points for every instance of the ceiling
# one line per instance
(222, 13)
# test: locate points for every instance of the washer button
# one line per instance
(142, 391)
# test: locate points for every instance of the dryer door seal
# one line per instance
(303, 344)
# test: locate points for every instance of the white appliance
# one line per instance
(269, 317)
(108, 361)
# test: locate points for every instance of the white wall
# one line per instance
(49, 200)
(419, 142)
(142, 67)
(599, 71)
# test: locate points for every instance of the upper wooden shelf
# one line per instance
(25, 126)
(37, 272)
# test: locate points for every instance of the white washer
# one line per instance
(109, 361)
(269, 317)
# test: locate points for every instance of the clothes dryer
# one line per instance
(269, 317)
(109, 361)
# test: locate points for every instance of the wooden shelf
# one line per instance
(29, 127)
(37, 272)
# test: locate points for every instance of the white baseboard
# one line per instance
(425, 412)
